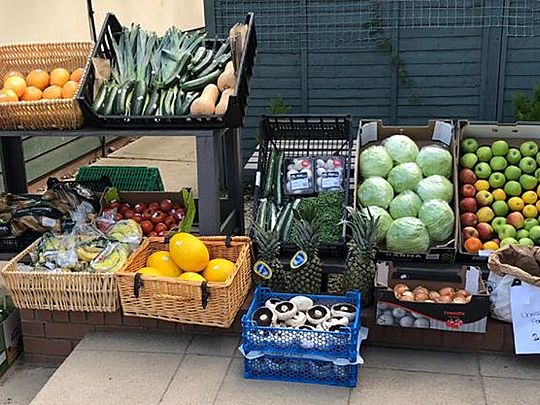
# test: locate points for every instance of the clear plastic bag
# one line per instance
(299, 179)
(329, 173)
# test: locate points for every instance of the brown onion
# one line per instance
(420, 297)
(421, 289)
(459, 300)
(465, 293)
(400, 288)
(434, 295)
(447, 291)
(444, 299)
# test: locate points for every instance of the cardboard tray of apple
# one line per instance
(498, 187)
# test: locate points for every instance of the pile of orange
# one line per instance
(40, 85)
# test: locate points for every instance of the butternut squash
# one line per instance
(206, 103)
(221, 108)
(226, 80)
(229, 67)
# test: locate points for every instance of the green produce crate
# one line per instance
(131, 178)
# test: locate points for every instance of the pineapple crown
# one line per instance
(308, 228)
(364, 228)
(268, 241)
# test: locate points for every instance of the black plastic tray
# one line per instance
(233, 118)
(313, 136)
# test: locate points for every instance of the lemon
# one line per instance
(218, 270)
(188, 252)
(499, 195)
(529, 197)
(481, 185)
(150, 271)
(490, 246)
(530, 211)
(515, 204)
(162, 260)
(190, 276)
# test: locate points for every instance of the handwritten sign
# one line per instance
(525, 302)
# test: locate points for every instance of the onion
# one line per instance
(433, 295)
(420, 297)
(421, 289)
(444, 299)
(447, 291)
(400, 288)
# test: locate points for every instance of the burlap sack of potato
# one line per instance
(522, 262)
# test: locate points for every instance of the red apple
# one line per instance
(484, 231)
(467, 190)
(468, 205)
(161, 227)
(469, 232)
(157, 217)
(140, 208)
(153, 206)
(516, 220)
(468, 219)
(166, 205)
(467, 176)
(147, 227)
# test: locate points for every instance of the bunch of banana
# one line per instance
(87, 251)
(111, 259)
(125, 231)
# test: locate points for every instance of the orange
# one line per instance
(70, 89)
(491, 245)
(218, 270)
(52, 92)
(17, 84)
(13, 73)
(481, 185)
(473, 245)
(38, 78)
(31, 94)
(59, 77)
(8, 96)
(77, 74)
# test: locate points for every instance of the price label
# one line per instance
(525, 304)
(299, 181)
(48, 222)
(331, 179)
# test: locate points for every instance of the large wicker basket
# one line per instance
(92, 292)
(169, 299)
(42, 114)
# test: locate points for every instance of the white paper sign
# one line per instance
(525, 302)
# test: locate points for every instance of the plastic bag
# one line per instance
(299, 178)
(329, 173)
(499, 289)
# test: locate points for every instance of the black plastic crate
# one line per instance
(311, 136)
(233, 118)
(16, 244)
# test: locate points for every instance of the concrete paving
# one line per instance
(114, 368)
(22, 382)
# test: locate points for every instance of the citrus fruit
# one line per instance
(76, 75)
(52, 92)
(515, 204)
(59, 77)
(8, 96)
(499, 194)
(188, 252)
(12, 73)
(529, 197)
(481, 185)
(163, 262)
(473, 245)
(31, 94)
(38, 78)
(191, 276)
(150, 271)
(490, 246)
(530, 211)
(17, 84)
(70, 89)
(218, 270)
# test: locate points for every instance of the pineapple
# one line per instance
(268, 245)
(308, 278)
(360, 266)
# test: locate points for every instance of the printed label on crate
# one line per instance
(299, 181)
(48, 222)
(525, 304)
(331, 179)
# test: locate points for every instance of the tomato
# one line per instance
(137, 217)
(147, 226)
(129, 214)
(166, 205)
(124, 207)
(157, 217)
(153, 206)
(140, 208)
(147, 214)
(153, 233)
(170, 222)
(161, 227)
(114, 204)
(118, 217)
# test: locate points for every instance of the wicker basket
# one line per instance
(92, 292)
(42, 114)
(182, 301)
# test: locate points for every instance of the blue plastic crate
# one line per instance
(301, 342)
(303, 370)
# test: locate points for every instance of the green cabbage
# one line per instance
(434, 159)
(374, 161)
(438, 218)
(401, 148)
(435, 188)
(385, 220)
(407, 235)
(375, 191)
(405, 176)
(406, 204)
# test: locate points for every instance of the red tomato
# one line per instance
(147, 214)
(114, 204)
(129, 214)
(140, 208)
(147, 226)
(153, 233)
(137, 217)
(118, 217)
(153, 206)
(170, 222)
(161, 227)
(157, 217)
(166, 205)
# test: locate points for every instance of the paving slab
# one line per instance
(508, 391)
(213, 345)
(421, 360)
(135, 342)
(180, 149)
(88, 377)
(22, 382)
(197, 381)
(383, 387)
(237, 390)
(508, 366)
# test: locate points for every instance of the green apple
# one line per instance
(507, 231)
(522, 233)
(482, 170)
(537, 158)
(528, 182)
(500, 208)
(498, 223)
(468, 160)
(484, 154)
(534, 233)
(513, 156)
(527, 165)
(498, 163)
(529, 148)
(469, 145)
(526, 242)
(512, 188)
(499, 148)
(508, 241)
(529, 223)
(497, 180)
(537, 174)
(512, 172)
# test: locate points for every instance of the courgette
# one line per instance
(120, 103)
(178, 102)
(222, 49)
(286, 230)
(99, 99)
(270, 173)
(199, 55)
(138, 98)
(273, 216)
(261, 213)
(278, 177)
(152, 105)
(217, 63)
(188, 100)
(203, 63)
(201, 82)
(109, 103)
(178, 70)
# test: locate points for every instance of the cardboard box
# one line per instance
(470, 317)
(371, 132)
(486, 133)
